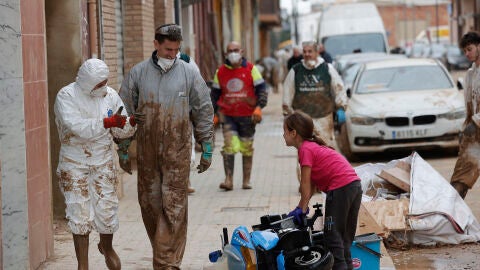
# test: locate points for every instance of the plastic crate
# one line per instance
(366, 252)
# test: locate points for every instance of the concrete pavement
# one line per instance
(275, 190)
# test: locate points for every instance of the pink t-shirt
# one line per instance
(330, 170)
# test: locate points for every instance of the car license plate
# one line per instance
(409, 133)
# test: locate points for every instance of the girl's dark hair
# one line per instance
(302, 123)
(470, 38)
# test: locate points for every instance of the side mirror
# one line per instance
(460, 83)
(349, 93)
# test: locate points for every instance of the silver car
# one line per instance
(402, 103)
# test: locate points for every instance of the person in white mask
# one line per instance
(174, 99)
(314, 87)
(89, 114)
(238, 96)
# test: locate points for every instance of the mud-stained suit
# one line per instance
(467, 169)
(172, 101)
(317, 92)
(236, 93)
(87, 176)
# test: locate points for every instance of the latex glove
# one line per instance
(116, 120)
(470, 130)
(340, 116)
(215, 119)
(206, 158)
(257, 115)
(123, 158)
(299, 216)
(139, 118)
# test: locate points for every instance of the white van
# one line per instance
(352, 27)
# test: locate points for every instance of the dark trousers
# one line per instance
(341, 213)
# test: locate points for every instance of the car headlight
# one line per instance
(453, 115)
(364, 120)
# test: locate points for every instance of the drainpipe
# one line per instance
(100, 29)
(92, 27)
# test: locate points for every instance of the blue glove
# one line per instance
(299, 215)
(206, 158)
(340, 116)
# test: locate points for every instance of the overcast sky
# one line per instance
(302, 5)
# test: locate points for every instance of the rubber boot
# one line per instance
(247, 169)
(461, 188)
(228, 164)
(81, 250)
(105, 247)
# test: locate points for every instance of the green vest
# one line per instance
(313, 93)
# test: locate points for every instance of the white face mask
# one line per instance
(311, 63)
(165, 63)
(99, 92)
(234, 57)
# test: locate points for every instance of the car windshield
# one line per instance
(349, 73)
(403, 78)
(346, 44)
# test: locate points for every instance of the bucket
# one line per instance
(365, 251)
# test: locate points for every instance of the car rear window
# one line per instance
(403, 78)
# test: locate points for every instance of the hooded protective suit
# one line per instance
(86, 171)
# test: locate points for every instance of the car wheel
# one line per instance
(344, 144)
(314, 257)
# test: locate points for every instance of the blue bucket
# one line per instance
(366, 252)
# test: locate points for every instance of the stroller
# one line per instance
(277, 243)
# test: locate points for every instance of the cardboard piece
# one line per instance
(389, 214)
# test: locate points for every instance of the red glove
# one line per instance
(215, 120)
(116, 120)
(131, 120)
(257, 115)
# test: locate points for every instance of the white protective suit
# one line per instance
(86, 171)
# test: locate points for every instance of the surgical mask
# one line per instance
(311, 63)
(99, 92)
(234, 57)
(165, 63)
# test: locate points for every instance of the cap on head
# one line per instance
(169, 31)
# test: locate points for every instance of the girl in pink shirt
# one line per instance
(324, 168)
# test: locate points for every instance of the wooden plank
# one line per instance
(389, 214)
(367, 224)
(397, 177)
(404, 166)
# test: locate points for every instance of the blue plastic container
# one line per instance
(366, 252)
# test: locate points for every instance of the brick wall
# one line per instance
(110, 41)
(164, 12)
(423, 15)
(138, 32)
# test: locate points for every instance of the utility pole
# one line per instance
(436, 18)
(295, 19)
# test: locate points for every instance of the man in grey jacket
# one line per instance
(169, 95)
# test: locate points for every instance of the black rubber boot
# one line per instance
(247, 169)
(228, 164)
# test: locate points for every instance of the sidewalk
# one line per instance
(275, 190)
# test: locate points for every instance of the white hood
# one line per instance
(92, 72)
